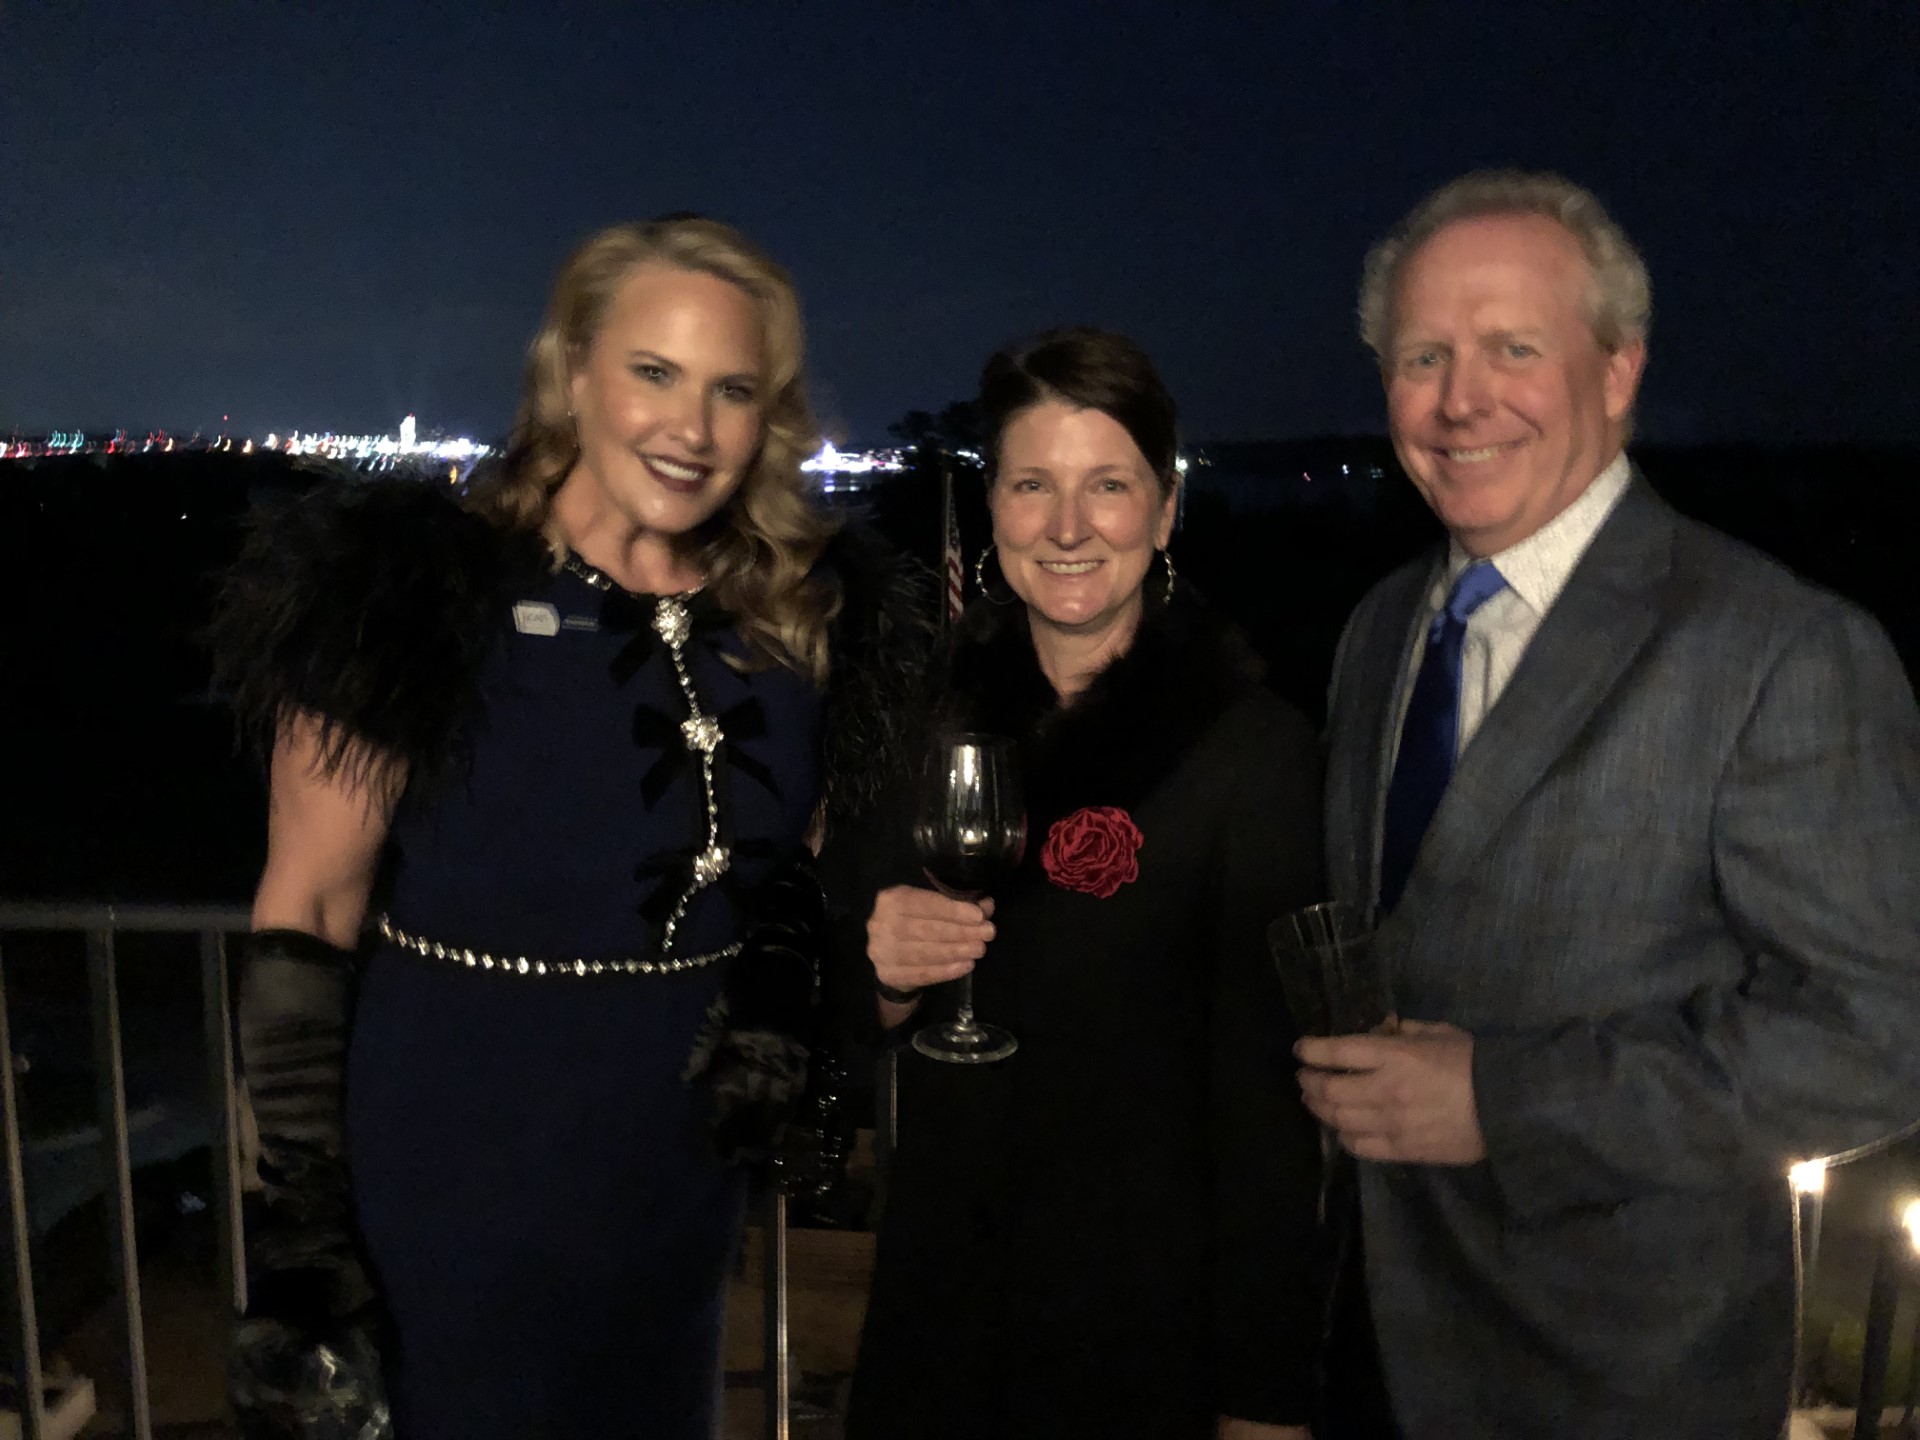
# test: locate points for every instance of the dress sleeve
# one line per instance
(1268, 1275)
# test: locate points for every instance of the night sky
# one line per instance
(327, 215)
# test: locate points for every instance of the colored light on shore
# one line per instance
(1910, 1218)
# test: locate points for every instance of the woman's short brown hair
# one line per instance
(1088, 369)
(759, 551)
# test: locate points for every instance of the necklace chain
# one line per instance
(600, 580)
(703, 736)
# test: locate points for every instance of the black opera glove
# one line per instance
(305, 1361)
(753, 1048)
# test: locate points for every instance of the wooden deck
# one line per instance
(828, 1271)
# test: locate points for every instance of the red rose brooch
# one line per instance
(1093, 851)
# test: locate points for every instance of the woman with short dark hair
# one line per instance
(1110, 1232)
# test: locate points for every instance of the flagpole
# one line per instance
(949, 536)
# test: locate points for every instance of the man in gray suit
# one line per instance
(1641, 811)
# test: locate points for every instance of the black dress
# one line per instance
(595, 795)
(1112, 1232)
(533, 1177)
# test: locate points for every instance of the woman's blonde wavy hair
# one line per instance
(758, 552)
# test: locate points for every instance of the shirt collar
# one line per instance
(1538, 568)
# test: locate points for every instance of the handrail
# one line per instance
(110, 915)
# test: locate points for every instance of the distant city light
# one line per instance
(366, 451)
(382, 447)
(839, 470)
(833, 461)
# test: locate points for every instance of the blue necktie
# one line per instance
(1430, 735)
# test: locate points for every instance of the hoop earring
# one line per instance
(1167, 556)
(980, 578)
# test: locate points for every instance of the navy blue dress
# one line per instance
(532, 1176)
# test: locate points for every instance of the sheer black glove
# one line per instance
(305, 1361)
(753, 1049)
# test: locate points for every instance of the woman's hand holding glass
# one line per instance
(917, 937)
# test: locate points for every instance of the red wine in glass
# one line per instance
(970, 831)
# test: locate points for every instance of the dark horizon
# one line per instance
(338, 217)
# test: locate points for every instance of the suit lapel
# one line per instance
(1603, 618)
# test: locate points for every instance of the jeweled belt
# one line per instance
(528, 965)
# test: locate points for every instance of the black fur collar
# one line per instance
(1127, 731)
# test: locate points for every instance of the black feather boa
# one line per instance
(1122, 735)
(375, 605)
(371, 606)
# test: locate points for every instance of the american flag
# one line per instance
(956, 570)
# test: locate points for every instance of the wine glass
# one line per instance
(969, 830)
(1335, 979)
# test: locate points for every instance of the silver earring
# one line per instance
(980, 579)
(1167, 555)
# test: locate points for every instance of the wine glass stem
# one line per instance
(963, 1022)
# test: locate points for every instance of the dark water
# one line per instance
(122, 781)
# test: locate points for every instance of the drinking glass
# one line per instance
(969, 830)
(1334, 980)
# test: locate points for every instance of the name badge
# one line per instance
(536, 617)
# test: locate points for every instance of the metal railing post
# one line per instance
(230, 1259)
(110, 1075)
(26, 1322)
(1883, 1300)
(773, 1264)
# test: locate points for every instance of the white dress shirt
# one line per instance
(1536, 571)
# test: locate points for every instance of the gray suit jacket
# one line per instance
(1674, 892)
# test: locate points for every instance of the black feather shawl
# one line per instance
(374, 606)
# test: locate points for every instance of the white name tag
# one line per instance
(536, 617)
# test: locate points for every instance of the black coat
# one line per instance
(1111, 1233)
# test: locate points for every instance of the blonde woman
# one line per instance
(553, 755)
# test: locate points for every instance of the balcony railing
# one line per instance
(100, 924)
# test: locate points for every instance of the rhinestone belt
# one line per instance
(526, 965)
